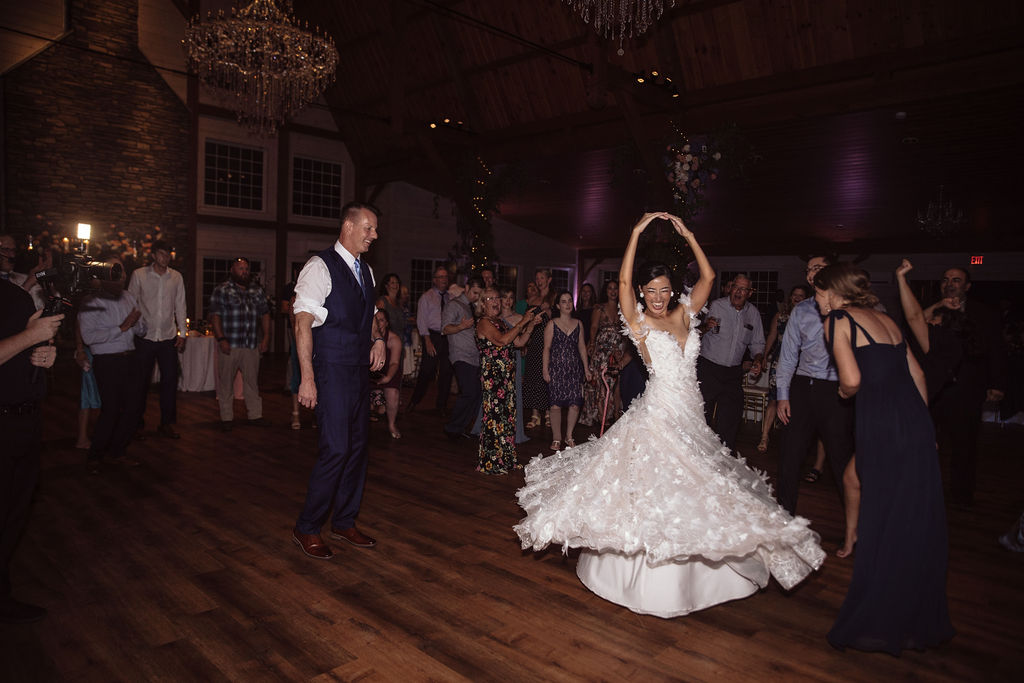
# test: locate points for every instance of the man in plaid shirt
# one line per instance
(241, 321)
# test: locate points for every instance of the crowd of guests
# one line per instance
(545, 363)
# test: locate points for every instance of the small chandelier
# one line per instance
(941, 218)
(260, 62)
(622, 17)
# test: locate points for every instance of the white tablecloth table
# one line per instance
(199, 363)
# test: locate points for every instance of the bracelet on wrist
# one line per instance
(376, 339)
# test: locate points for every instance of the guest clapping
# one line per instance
(497, 341)
(605, 357)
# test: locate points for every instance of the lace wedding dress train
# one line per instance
(670, 522)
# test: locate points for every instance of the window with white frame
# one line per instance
(507, 277)
(421, 276)
(233, 176)
(316, 188)
(560, 279)
(765, 284)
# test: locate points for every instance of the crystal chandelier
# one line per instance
(260, 62)
(622, 17)
(941, 218)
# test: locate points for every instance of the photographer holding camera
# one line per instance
(23, 348)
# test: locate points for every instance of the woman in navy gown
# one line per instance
(897, 596)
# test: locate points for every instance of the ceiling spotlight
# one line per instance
(447, 120)
(654, 73)
(433, 125)
(639, 79)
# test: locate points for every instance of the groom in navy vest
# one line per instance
(338, 344)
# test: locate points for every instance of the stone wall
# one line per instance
(94, 134)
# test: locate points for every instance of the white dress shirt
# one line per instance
(100, 318)
(314, 284)
(162, 302)
(739, 331)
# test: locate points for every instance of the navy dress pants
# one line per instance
(343, 413)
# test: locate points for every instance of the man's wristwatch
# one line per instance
(376, 339)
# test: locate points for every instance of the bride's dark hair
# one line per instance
(647, 272)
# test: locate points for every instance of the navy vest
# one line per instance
(344, 338)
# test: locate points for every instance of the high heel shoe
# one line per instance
(762, 447)
(534, 422)
(395, 434)
(570, 443)
(556, 445)
(547, 419)
(295, 420)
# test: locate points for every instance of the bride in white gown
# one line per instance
(669, 521)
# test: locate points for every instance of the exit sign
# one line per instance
(976, 260)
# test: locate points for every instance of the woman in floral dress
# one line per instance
(497, 342)
(605, 353)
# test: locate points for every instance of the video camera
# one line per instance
(69, 276)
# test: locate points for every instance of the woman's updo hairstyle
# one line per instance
(647, 272)
(848, 281)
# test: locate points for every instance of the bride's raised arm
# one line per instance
(702, 290)
(627, 296)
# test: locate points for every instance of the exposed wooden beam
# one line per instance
(450, 51)
(396, 36)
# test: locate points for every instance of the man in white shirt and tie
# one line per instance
(434, 359)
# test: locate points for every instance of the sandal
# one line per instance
(547, 419)
(395, 434)
(556, 445)
(762, 447)
(533, 423)
(812, 476)
(570, 443)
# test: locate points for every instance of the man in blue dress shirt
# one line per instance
(808, 392)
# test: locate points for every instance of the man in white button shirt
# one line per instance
(733, 328)
(160, 293)
(338, 344)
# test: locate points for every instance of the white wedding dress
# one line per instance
(670, 522)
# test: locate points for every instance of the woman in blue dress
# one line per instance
(897, 595)
(565, 368)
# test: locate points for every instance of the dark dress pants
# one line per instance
(343, 413)
(956, 412)
(722, 386)
(117, 378)
(632, 381)
(430, 366)
(815, 411)
(166, 357)
(19, 471)
(467, 403)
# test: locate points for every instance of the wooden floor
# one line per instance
(183, 569)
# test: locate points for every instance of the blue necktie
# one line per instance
(359, 273)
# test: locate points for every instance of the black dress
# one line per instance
(897, 596)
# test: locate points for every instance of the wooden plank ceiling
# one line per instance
(814, 87)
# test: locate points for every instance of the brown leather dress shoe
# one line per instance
(354, 537)
(312, 545)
